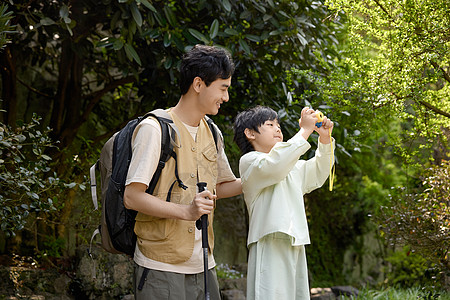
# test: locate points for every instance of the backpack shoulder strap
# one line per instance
(214, 130)
(168, 140)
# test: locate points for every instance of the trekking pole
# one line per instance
(202, 224)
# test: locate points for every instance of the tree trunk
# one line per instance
(9, 86)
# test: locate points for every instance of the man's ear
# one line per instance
(249, 133)
(196, 84)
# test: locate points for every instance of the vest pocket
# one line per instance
(210, 153)
(157, 230)
(209, 164)
(153, 228)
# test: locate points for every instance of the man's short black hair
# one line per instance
(207, 62)
(251, 118)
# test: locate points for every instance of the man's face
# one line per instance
(212, 96)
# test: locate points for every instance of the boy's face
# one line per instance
(212, 96)
(269, 134)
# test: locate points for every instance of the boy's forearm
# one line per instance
(325, 139)
(305, 133)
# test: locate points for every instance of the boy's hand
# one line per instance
(325, 130)
(307, 122)
(308, 119)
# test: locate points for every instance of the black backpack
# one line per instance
(117, 224)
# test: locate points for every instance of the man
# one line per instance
(168, 255)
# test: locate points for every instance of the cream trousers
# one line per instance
(277, 270)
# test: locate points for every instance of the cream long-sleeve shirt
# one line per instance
(274, 184)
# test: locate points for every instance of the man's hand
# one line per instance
(202, 204)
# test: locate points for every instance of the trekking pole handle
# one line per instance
(202, 223)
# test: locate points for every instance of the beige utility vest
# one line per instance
(169, 240)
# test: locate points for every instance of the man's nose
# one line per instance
(226, 97)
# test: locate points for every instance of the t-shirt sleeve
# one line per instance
(146, 149)
(224, 172)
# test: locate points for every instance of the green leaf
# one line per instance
(253, 38)
(132, 54)
(167, 39)
(214, 29)
(170, 16)
(266, 18)
(168, 63)
(276, 32)
(198, 35)
(160, 19)
(226, 4)
(259, 7)
(245, 46)
(47, 21)
(21, 138)
(302, 39)
(46, 157)
(115, 19)
(245, 14)
(231, 31)
(64, 11)
(70, 185)
(105, 42)
(283, 14)
(118, 44)
(136, 14)
(148, 5)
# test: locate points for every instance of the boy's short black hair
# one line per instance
(251, 118)
(207, 62)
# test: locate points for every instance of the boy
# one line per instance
(168, 255)
(274, 181)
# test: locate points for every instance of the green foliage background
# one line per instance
(378, 69)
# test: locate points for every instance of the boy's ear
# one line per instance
(196, 84)
(249, 133)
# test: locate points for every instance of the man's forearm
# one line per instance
(229, 188)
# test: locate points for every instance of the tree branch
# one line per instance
(445, 74)
(95, 97)
(33, 89)
(435, 109)
(381, 6)
(429, 106)
(99, 138)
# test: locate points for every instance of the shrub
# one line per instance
(421, 219)
(25, 178)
